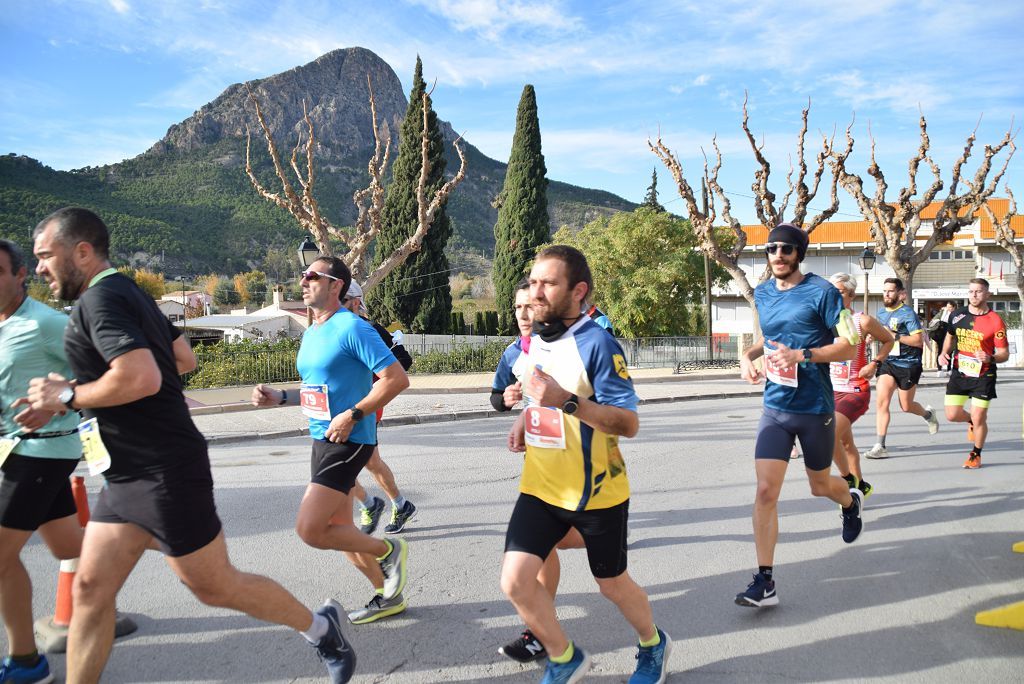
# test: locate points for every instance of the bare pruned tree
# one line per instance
(896, 226)
(726, 244)
(369, 201)
(1009, 240)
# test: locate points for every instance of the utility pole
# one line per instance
(707, 276)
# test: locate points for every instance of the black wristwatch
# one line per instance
(67, 396)
(807, 354)
(571, 404)
(357, 414)
(284, 398)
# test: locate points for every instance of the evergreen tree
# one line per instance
(522, 205)
(651, 198)
(416, 293)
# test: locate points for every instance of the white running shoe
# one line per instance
(933, 422)
(877, 451)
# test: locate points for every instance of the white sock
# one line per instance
(316, 630)
(399, 502)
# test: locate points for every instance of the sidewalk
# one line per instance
(440, 398)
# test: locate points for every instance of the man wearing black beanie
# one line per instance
(803, 329)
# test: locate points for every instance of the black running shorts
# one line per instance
(977, 388)
(35, 491)
(337, 465)
(537, 526)
(778, 431)
(175, 506)
(906, 377)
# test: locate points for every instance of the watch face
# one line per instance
(570, 407)
(66, 395)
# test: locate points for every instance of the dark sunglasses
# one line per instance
(313, 276)
(784, 247)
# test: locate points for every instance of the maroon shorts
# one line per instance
(853, 405)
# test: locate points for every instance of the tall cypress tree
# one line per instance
(416, 293)
(651, 198)
(523, 205)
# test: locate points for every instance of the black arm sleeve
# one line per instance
(498, 400)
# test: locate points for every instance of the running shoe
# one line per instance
(378, 607)
(567, 673)
(525, 649)
(759, 594)
(12, 673)
(852, 522)
(865, 488)
(333, 648)
(933, 421)
(370, 517)
(973, 461)
(399, 517)
(393, 567)
(652, 662)
(851, 480)
(877, 451)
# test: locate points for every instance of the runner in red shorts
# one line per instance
(851, 385)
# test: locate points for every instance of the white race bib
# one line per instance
(94, 451)
(840, 372)
(314, 401)
(545, 427)
(7, 445)
(786, 377)
(969, 365)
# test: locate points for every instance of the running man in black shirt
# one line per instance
(126, 358)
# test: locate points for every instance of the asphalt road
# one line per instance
(897, 605)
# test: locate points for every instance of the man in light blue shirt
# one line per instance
(35, 491)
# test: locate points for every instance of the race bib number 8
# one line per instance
(785, 377)
(545, 427)
(315, 402)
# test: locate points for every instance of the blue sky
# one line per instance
(88, 82)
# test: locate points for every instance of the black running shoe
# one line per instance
(865, 488)
(399, 517)
(333, 648)
(525, 649)
(759, 594)
(852, 480)
(852, 523)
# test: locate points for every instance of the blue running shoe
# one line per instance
(759, 594)
(652, 662)
(369, 518)
(12, 673)
(333, 648)
(567, 673)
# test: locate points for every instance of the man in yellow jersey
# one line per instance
(580, 400)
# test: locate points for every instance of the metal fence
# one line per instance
(224, 367)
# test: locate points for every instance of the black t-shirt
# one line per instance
(398, 350)
(155, 433)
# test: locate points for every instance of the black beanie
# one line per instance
(787, 232)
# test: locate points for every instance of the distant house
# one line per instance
(235, 328)
(174, 310)
(194, 299)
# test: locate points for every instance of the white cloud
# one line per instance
(492, 18)
(701, 80)
(121, 6)
(898, 94)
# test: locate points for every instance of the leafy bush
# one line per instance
(244, 363)
(461, 358)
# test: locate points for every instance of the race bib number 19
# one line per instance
(545, 428)
(314, 401)
(786, 377)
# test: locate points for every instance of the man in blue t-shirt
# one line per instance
(339, 355)
(804, 327)
(900, 369)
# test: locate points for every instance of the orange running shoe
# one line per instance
(973, 461)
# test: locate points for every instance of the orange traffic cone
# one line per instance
(52, 632)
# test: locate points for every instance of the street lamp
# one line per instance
(184, 307)
(867, 262)
(308, 252)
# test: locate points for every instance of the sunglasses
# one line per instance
(784, 247)
(313, 276)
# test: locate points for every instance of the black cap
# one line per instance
(787, 232)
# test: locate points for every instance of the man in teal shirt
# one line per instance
(35, 490)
